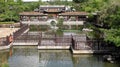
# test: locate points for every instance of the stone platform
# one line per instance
(25, 44)
(7, 31)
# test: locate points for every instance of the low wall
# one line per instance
(25, 44)
(82, 51)
(15, 25)
(5, 47)
(53, 47)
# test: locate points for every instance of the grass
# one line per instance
(5, 65)
(7, 22)
(71, 30)
(74, 31)
(59, 32)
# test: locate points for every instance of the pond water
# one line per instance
(31, 57)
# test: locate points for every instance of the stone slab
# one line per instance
(26, 44)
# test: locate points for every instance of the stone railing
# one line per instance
(35, 22)
(47, 23)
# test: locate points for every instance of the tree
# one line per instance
(19, 1)
(60, 23)
(113, 35)
(79, 1)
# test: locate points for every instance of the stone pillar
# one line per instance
(27, 18)
(68, 17)
(76, 18)
(37, 18)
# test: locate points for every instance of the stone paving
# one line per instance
(7, 31)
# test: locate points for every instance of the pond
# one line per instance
(29, 56)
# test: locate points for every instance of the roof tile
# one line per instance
(74, 13)
(31, 13)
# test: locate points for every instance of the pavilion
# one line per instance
(45, 14)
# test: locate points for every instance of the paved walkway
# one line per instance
(7, 31)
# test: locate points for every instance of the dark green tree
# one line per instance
(79, 1)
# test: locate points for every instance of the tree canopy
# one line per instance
(109, 16)
(79, 1)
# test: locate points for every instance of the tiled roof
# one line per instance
(52, 10)
(31, 13)
(74, 13)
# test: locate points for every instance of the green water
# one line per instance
(31, 57)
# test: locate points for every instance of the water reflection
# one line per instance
(4, 56)
(31, 57)
(55, 58)
(86, 61)
(24, 57)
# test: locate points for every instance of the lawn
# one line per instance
(7, 22)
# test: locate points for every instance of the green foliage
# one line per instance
(59, 32)
(79, 1)
(10, 10)
(88, 9)
(39, 27)
(109, 16)
(76, 31)
(60, 23)
(7, 22)
(113, 35)
(5, 65)
(96, 33)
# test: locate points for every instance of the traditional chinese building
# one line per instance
(45, 14)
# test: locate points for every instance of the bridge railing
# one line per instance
(28, 37)
(55, 40)
(92, 45)
(4, 41)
